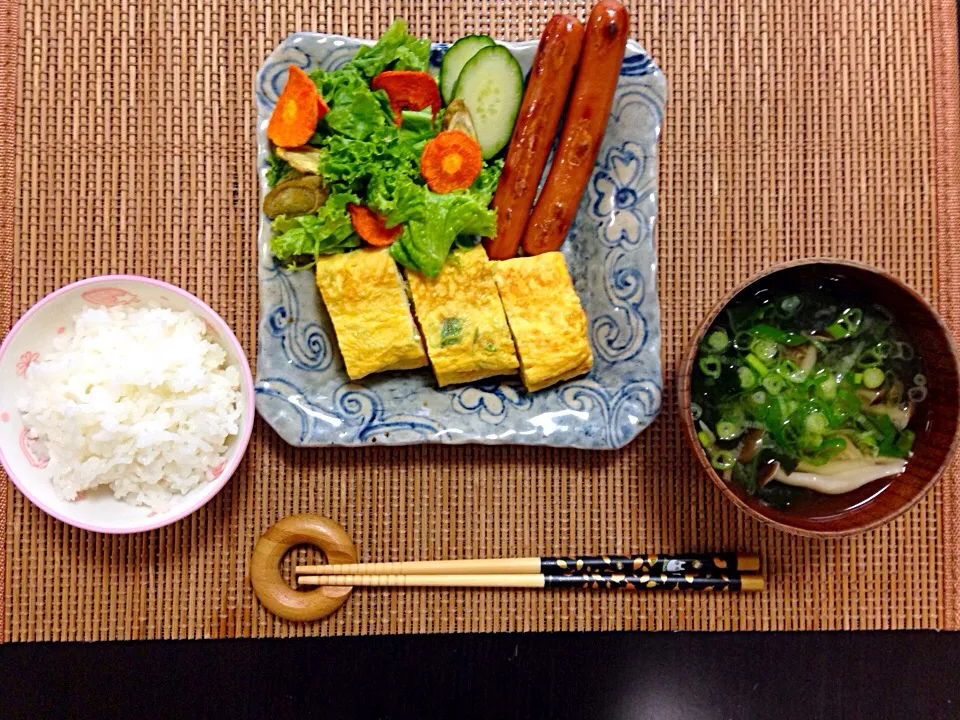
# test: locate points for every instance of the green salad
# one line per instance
(366, 152)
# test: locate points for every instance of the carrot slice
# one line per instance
(408, 90)
(371, 227)
(451, 161)
(298, 109)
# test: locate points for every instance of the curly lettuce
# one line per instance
(356, 111)
(366, 159)
(433, 222)
(395, 50)
(306, 237)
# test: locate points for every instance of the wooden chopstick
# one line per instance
(595, 581)
(642, 564)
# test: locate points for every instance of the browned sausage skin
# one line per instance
(547, 88)
(587, 115)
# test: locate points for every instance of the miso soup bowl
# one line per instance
(935, 423)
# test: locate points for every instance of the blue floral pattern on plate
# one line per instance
(302, 387)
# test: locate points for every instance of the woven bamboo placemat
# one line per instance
(792, 130)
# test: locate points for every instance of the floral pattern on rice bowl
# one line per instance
(110, 297)
(27, 359)
(33, 450)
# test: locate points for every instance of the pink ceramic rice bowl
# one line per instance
(33, 335)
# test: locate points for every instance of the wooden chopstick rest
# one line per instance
(270, 587)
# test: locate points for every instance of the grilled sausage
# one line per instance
(590, 103)
(547, 90)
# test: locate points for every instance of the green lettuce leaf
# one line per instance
(355, 163)
(486, 183)
(355, 110)
(395, 48)
(433, 223)
(417, 125)
(306, 237)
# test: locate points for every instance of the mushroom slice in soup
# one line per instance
(851, 475)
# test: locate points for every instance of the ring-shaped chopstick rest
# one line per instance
(268, 584)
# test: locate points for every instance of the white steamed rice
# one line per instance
(137, 399)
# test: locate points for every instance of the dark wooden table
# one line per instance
(604, 675)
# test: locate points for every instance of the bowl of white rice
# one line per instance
(125, 404)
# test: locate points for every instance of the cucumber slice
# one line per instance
(456, 57)
(491, 85)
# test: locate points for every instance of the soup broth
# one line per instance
(806, 396)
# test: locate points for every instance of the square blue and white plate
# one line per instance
(302, 387)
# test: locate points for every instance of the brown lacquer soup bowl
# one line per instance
(933, 421)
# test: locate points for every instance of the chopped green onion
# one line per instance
(791, 433)
(748, 378)
(810, 441)
(757, 364)
(710, 366)
(729, 430)
(695, 411)
(867, 442)
(791, 371)
(873, 378)
(858, 378)
(773, 384)
(918, 393)
(870, 357)
(883, 348)
(905, 351)
(758, 398)
(920, 380)
(848, 401)
(723, 460)
(830, 448)
(828, 388)
(764, 349)
(847, 324)
(816, 422)
(836, 330)
(742, 341)
(707, 438)
(778, 336)
(718, 340)
(851, 320)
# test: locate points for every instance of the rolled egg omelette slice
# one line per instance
(548, 323)
(365, 297)
(462, 319)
